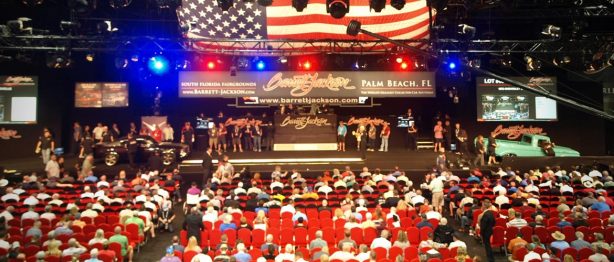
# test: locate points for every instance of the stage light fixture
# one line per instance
(265, 2)
(305, 65)
(134, 58)
(466, 30)
(399, 60)
(90, 57)
(158, 64)
(552, 31)
(532, 63)
(282, 59)
(210, 65)
(182, 64)
(260, 65)
(225, 5)
(32, 2)
(397, 4)
(561, 60)
(119, 3)
(299, 5)
(404, 65)
(360, 64)
(452, 65)
(121, 63)
(22, 25)
(58, 60)
(377, 5)
(337, 8)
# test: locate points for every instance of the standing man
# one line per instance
(487, 222)
(372, 134)
(213, 133)
(447, 132)
(221, 138)
(257, 136)
(385, 134)
(45, 145)
(362, 144)
(461, 140)
(132, 147)
(193, 223)
(438, 132)
(247, 137)
(207, 166)
(168, 133)
(412, 136)
(87, 145)
(98, 130)
(187, 135)
(479, 151)
(77, 135)
(342, 130)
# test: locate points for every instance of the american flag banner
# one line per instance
(248, 20)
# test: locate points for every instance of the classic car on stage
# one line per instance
(529, 145)
(115, 152)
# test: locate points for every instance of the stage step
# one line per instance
(425, 145)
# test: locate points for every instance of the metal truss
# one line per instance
(55, 43)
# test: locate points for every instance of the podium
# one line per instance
(305, 133)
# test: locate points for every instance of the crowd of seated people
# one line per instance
(83, 218)
(546, 215)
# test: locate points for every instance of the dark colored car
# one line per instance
(115, 152)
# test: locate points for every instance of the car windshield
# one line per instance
(526, 139)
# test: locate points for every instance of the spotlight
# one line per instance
(158, 64)
(338, 8)
(282, 59)
(105, 27)
(360, 65)
(119, 3)
(353, 27)
(397, 4)
(299, 5)
(475, 63)
(243, 63)
(265, 2)
(134, 58)
(532, 63)
(225, 5)
(260, 65)
(466, 30)
(58, 60)
(552, 31)
(377, 5)
(305, 65)
(32, 2)
(561, 60)
(121, 63)
(89, 57)
(182, 64)
(211, 65)
(399, 60)
(404, 65)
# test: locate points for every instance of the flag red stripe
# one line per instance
(327, 19)
(352, 2)
(319, 35)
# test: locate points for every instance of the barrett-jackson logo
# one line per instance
(302, 85)
(19, 79)
(304, 121)
(366, 121)
(7, 134)
(514, 132)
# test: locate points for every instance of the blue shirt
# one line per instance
(243, 257)
(342, 130)
(563, 223)
(424, 224)
(92, 179)
(600, 206)
(559, 245)
(473, 179)
(224, 227)
(266, 210)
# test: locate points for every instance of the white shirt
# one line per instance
(377, 177)
(594, 173)
(531, 255)
(52, 168)
(502, 199)
(4, 244)
(87, 195)
(363, 256)
(498, 188)
(43, 196)
(102, 183)
(30, 215)
(287, 208)
(7, 215)
(381, 242)
(531, 188)
(325, 189)
(342, 255)
(284, 256)
(457, 243)
(140, 198)
(89, 213)
(49, 216)
(56, 202)
(10, 196)
(436, 184)
(433, 215)
(566, 188)
(210, 216)
(163, 193)
(97, 131)
(417, 199)
(31, 201)
(168, 133)
(277, 184)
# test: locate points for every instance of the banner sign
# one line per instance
(311, 124)
(366, 121)
(298, 84)
(348, 101)
(514, 132)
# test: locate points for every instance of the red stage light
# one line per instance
(211, 65)
(399, 60)
(307, 65)
(404, 65)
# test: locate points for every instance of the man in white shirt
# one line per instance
(325, 188)
(381, 241)
(31, 201)
(103, 182)
(240, 190)
(168, 133)
(532, 254)
(89, 212)
(343, 254)
(30, 214)
(52, 167)
(501, 199)
(3, 243)
(418, 198)
(97, 131)
(9, 195)
(432, 214)
(287, 255)
(566, 188)
(365, 172)
(276, 183)
(289, 207)
(87, 193)
(377, 176)
(436, 187)
(7, 213)
(75, 248)
(457, 243)
(364, 254)
(499, 188)
(55, 200)
(43, 195)
(49, 215)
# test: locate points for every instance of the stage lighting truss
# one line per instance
(552, 31)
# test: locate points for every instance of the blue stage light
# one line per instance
(260, 65)
(158, 65)
(452, 65)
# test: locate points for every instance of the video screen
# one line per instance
(404, 121)
(204, 123)
(18, 99)
(97, 95)
(500, 101)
